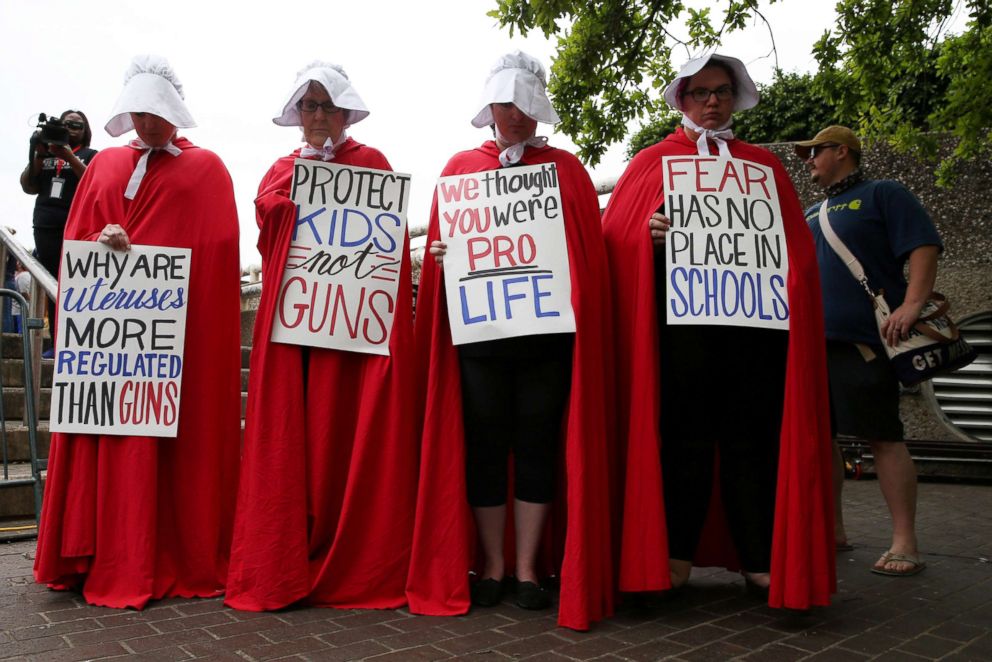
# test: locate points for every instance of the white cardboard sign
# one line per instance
(342, 271)
(726, 255)
(121, 333)
(506, 269)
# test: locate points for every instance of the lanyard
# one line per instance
(59, 163)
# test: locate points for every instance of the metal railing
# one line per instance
(43, 287)
(37, 465)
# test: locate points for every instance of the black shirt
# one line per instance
(52, 211)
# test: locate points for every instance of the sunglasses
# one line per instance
(73, 124)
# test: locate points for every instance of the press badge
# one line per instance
(57, 183)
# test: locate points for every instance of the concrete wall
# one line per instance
(963, 216)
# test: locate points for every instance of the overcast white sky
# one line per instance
(419, 66)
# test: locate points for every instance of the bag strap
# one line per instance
(846, 256)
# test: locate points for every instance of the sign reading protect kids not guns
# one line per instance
(727, 261)
(506, 268)
(342, 271)
(121, 333)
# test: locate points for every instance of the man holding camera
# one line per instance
(58, 155)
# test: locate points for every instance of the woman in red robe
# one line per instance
(742, 411)
(328, 476)
(560, 450)
(127, 519)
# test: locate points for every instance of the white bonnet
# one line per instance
(518, 78)
(150, 86)
(747, 93)
(335, 81)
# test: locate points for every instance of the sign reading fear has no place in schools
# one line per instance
(342, 271)
(726, 255)
(506, 268)
(121, 333)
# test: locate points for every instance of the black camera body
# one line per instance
(51, 131)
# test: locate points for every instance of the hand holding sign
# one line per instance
(658, 226)
(116, 237)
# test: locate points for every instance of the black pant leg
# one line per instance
(748, 478)
(542, 387)
(487, 419)
(687, 473)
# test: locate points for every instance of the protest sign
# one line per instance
(506, 268)
(342, 271)
(726, 254)
(121, 333)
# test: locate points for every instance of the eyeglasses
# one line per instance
(311, 106)
(72, 124)
(702, 94)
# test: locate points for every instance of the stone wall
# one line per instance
(963, 215)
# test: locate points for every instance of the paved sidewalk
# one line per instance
(944, 613)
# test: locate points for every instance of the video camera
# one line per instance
(51, 131)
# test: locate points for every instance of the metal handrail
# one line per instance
(39, 274)
(30, 415)
(43, 285)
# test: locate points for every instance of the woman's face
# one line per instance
(76, 126)
(513, 125)
(318, 124)
(713, 113)
(153, 130)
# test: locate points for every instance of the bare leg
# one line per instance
(529, 521)
(840, 534)
(491, 522)
(897, 479)
(679, 571)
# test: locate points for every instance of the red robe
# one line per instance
(803, 569)
(328, 477)
(444, 538)
(137, 518)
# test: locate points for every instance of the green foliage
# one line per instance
(884, 63)
(887, 68)
(791, 108)
(653, 132)
(613, 57)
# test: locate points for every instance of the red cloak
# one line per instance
(328, 477)
(137, 518)
(803, 571)
(444, 537)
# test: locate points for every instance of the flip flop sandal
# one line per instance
(917, 565)
(845, 547)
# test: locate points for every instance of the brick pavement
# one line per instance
(945, 613)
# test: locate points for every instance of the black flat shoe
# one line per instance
(532, 596)
(487, 592)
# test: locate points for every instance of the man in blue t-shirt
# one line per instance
(885, 227)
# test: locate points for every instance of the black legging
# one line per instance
(512, 403)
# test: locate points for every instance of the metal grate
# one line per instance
(964, 397)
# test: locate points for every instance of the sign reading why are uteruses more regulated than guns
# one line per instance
(506, 269)
(726, 253)
(342, 270)
(120, 340)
